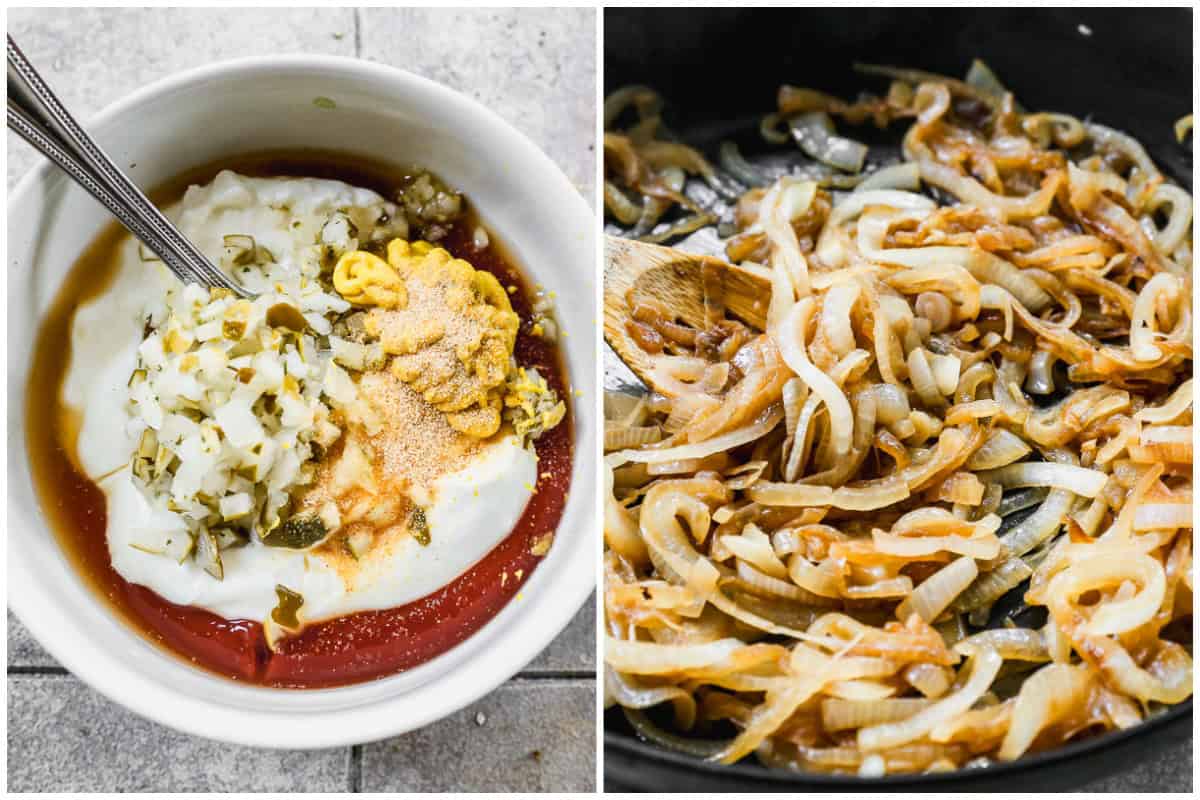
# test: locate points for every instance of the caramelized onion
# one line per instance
(790, 339)
(984, 666)
(937, 592)
(1109, 570)
(1046, 697)
(814, 132)
(1002, 447)
(987, 411)
(840, 715)
(719, 444)
(1081, 481)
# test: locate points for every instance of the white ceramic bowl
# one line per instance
(255, 104)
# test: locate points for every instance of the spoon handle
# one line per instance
(33, 133)
(37, 115)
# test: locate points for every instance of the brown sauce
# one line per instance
(345, 650)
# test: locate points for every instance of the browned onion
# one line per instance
(986, 407)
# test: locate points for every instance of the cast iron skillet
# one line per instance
(719, 69)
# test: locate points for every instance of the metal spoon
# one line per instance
(39, 117)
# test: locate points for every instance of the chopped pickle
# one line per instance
(239, 241)
(176, 342)
(286, 315)
(209, 555)
(241, 249)
(286, 611)
(296, 533)
(418, 525)
(148, 446)
(194, 414)
(229, 537)
(233, 329)
(237, 318)
(164, 459)
(186, 548)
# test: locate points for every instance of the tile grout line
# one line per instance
(555, 675)
(563, 674)
(552, 675)
(36, 670)
(358, 33)
(356, 758)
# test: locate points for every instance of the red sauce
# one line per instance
(345, 650)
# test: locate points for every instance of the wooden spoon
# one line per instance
(698, 289)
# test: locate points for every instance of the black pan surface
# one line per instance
(719, 70)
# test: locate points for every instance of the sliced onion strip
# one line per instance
(984, 666)
(1083, 482)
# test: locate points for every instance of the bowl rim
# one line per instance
(522, 638)
(754, 774)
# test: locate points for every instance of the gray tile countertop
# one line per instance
(536, 68)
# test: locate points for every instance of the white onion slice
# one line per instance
(1081, 481)
(718, 444)
(620, 529)
(985, 546)
(853, 204)
(1169, 682)
(624, 691)
(1179, 401)
(766, 719)
(789, 338)
(762, 583)
(946, 370)
(939, 590)
(1142, 327)
(753, 546)
(923, 380)
(1040, 525)
(876, 494)
(1162, 516)
(652, 658)
(1179, 220)
(786, 200)
(985, 664)
(1001, 448)
(1108, 570)
(1107, 138)
(931, 680)
(1045, 697)
(618, 438)
(905, 176)
(841, 715)
(836, 306)
(814, 132)
(972, 192)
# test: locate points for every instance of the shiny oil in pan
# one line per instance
(357, 647)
